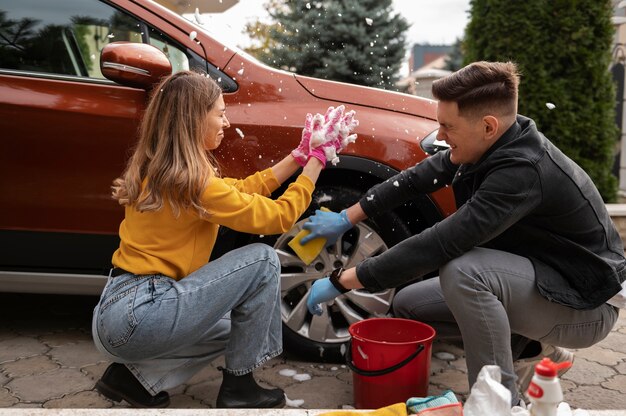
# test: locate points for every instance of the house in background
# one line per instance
(423, 54)
(426, 64)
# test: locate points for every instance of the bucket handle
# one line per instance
(374, 373)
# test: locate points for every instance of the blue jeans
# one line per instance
(166, 330)
(489, 299)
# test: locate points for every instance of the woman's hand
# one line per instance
(301, 153)
(323, 137)
(334, 134)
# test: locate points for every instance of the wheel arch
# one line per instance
(419, 213)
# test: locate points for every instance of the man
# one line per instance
(528, 261)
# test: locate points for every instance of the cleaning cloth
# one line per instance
(398, 409)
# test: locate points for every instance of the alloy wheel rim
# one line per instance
(296, 279)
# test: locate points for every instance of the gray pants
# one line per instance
(489, 300)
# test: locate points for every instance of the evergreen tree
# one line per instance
(356, 41)
(562, 48)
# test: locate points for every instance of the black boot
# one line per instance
(244, 393)
(119, 383)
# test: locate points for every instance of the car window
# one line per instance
(66, 37)
(178, 59)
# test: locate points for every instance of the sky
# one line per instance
(434, 22)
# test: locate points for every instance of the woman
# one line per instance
(166, 311)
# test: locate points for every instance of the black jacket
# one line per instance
(524, 197)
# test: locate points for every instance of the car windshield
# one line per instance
(208, 23)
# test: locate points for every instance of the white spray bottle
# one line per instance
(545, 392)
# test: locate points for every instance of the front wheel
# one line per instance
(323, 337)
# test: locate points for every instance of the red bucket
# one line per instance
(390, 361)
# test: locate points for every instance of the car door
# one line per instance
(66, 131)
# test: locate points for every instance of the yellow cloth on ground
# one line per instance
(398, 409)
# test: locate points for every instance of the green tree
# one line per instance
(562, 48)
(356, 41)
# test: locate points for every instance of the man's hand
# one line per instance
(321, 291)
(328, 225)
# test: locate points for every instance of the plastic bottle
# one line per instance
(544, 391)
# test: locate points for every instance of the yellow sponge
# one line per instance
(310, 250)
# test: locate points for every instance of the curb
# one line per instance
(208, 412)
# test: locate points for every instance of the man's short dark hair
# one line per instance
(481, 88)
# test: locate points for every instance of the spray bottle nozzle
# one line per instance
(549, 368)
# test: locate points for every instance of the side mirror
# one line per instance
(136, 65)
(431, 145)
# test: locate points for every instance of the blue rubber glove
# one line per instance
(321, 291)
(328, 225)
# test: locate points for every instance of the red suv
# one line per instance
(66, 130)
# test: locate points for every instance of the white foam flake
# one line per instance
(239, 132)
(369, 235)
(334, 368)
(435, 181)
(446, 356)
(370, 197)
(240, 72)
(324, 198)
(342, 350)
(287, 372)
(396, 183)
(302, 377)
(293, 403)
(550, 106)
(197, 17)
(193, 35)
(369, 21)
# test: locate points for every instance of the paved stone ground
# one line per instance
(47, 360)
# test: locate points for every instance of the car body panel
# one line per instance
(65, 139)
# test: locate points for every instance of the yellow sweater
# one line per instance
(157, 242)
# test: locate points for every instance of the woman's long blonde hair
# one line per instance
(170, 155)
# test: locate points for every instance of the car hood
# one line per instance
(369, 97)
